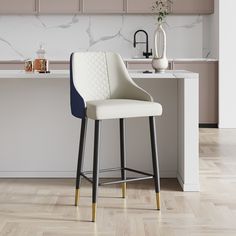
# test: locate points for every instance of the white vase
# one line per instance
(160, 62)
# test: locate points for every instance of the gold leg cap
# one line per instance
(158, 199)
(94, 212)
(77, 195)
(123, 190)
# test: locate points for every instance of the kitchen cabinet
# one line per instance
(12, 65)
(18, 6)
(58, 6)
(192, 7)
(139, 6)
(35, 115)
(208, 88)
(103, 6)
(139, 65)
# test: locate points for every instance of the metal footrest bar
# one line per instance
(148, 175)
(103, 170)
(87, 178)
(125, 181)
(117, 169)
(137, 171)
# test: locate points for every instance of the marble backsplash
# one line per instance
(20, 36)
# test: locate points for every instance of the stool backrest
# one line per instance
(99, 76)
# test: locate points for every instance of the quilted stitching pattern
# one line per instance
(96, 83)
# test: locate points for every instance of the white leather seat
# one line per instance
(121, 108)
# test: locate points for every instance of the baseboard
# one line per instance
(71, 174)
(37, 174)
(67, 174)
(211, 126)
(189, 187)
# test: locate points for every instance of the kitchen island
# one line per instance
(39, 136)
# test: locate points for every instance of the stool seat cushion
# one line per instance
(121, 108)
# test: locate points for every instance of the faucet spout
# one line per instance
(147, 53)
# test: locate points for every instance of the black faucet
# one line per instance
(147, 54)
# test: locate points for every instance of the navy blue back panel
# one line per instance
(76, 101)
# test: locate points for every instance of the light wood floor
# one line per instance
(45, 207)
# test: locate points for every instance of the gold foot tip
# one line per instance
(94, 212)
(123, 190)
(77, 195)
(158, 201)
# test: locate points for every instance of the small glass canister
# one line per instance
(44, 65)
(41, 65)
(29, 66)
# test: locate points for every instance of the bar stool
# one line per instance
(100, 89)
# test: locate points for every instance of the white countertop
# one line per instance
(64, 74)
(171, 59)
(125, 59)
(20, 74)
(168, 74)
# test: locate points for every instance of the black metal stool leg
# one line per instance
(80, 158)
(123, 155)
(155, 159)
(95, 168)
